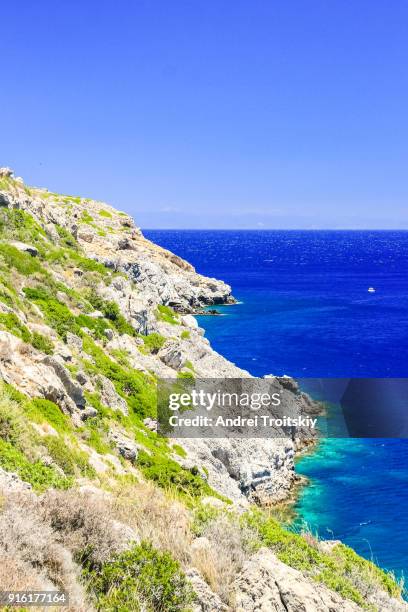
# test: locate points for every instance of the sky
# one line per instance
(212, 113)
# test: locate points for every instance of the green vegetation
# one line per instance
(185, 335)
(166, 314)
(112, 312)
(57, 315)
(41, 343)
(153, 343)
(42, 410)
(136, 388)
(341, 569)
(12, 323)
(142, 578)
(66, 238)
(72, 461)
(24, 263)
(37, 474)
(86, 218)
(168, 474)
(105, 213)
(20, 445)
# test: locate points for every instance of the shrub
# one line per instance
(57, 315)
(13, 324)
(71, 460)
(185, 335)
(230, 546)
(135, 387)
(41, 409)
(86, 218)
(153, 342)
(41, 343)
(40, 560)
(84, 523)
(168, 474)
(105, 213)
(112, 312)
(341, 569)
(19, 225)
(22, 262)
(66, 238)
(166, 314)
(37, 474)
(141, 578)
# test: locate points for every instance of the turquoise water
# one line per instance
(306, 312)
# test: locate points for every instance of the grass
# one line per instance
(86, 218)
(42, 410)
(169, 475)
(71, 460)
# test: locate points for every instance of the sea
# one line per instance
(304, 310)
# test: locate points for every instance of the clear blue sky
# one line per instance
(212, 113)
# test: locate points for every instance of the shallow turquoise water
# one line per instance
(306, 312)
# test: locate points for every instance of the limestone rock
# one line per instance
(265, 584)
(110, 397)
(30, 373)
(10, 482)
(207, 600)
(25, 248)
(126, 447)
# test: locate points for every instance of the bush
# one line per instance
(57, 315)
(12, 323)
(37, 474)
(72, 461)
(66, 238)
(168, 474)
(135, 387)
(166, 314)
(105, 213)
(31, 556)
(22, 262)
(153, 342)
(341, 569)
(141, 578)
(185, 335)
(41, 409)
(41, 343)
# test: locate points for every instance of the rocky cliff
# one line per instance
(91, 314)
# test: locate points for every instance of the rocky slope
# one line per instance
(91, 314)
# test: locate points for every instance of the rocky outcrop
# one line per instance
(206, 599)
(268, 585)
(113, 239)
(34, 375)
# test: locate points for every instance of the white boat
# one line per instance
(371, 290)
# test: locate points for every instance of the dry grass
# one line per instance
(220, 554)
(36, 554)
(157, 517)
(83, 522)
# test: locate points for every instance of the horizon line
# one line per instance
(272, 229)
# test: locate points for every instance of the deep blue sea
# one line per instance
(305, 311)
